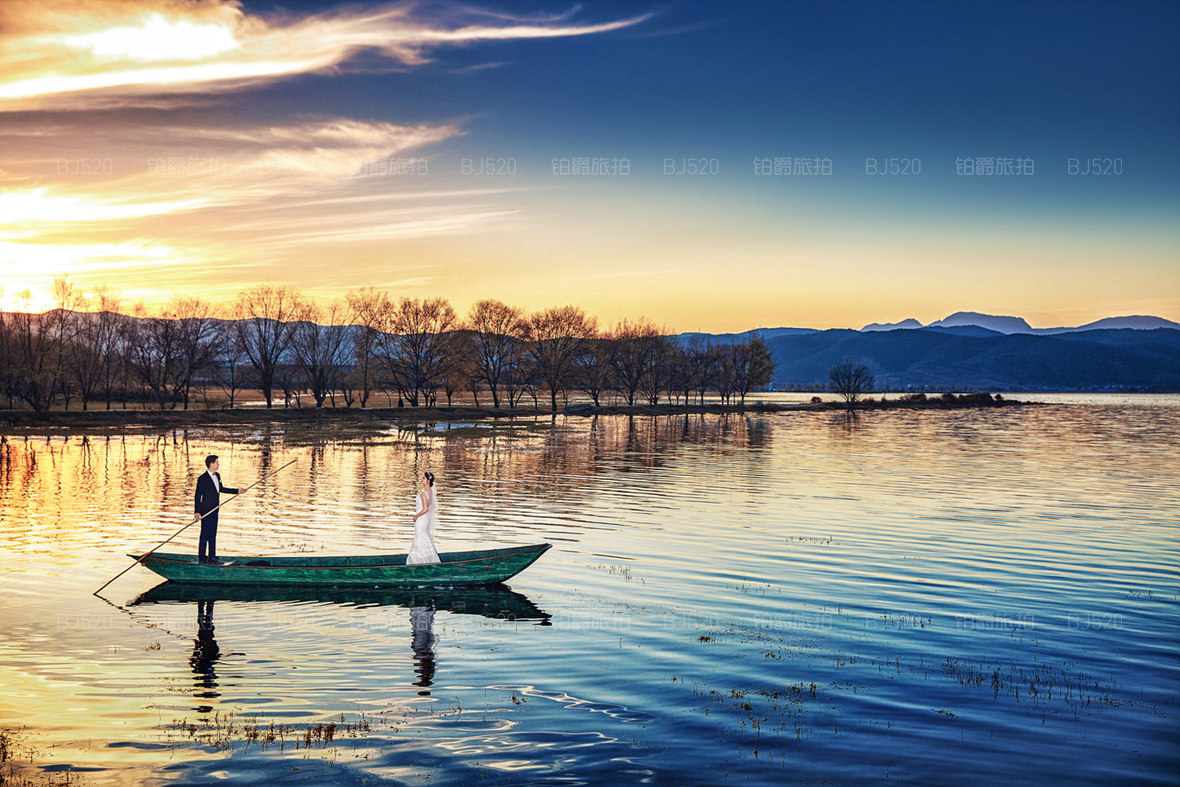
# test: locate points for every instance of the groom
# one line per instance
(207, 498)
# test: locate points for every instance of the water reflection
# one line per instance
(205, 655)
(422, 624)
(497, 601)
(493, 601)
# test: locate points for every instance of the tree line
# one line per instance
(414, 351)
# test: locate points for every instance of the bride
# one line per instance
(422, 548)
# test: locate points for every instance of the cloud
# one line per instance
(176, 201)
(84, 54)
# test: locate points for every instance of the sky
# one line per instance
(710, 166)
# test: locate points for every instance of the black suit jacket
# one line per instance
(206, 499)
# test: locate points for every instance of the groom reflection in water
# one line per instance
(422, 623)
(205, 655)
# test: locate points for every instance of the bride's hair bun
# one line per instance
(429, 477)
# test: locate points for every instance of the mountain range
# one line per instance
(971, 351)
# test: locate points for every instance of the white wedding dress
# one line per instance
(422, 548)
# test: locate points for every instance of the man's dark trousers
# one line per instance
(208, 539)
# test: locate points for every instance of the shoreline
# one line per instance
(25, 419)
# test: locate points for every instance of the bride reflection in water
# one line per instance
(422, 624)
(205, 654)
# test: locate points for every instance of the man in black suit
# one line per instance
(207, 498)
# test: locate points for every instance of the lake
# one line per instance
(965, 596)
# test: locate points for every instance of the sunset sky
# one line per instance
(164, 147)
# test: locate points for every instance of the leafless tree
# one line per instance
(199, 340)
(416, 347)
(231, 372)
(497, 331)
(637, 346)
(556, 335)
(62, 325)
(851, 380)
(104, 340)
(33, 375)
(657, 353)
(371, 309)
(264, 323)
(84, 356)
(594, 368)
(320, 346)
(754, 367)
(157, 354)
(460, 374)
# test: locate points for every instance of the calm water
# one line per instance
(794, 598)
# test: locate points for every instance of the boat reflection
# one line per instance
(495, 601)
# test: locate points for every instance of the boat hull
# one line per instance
(482, 567)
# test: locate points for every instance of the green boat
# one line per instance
(481, 567)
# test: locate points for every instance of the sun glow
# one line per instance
(159, 39)
(40, 206)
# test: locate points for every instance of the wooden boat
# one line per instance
(491, 601)
(481, 567)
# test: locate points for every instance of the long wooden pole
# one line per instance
(190, 524)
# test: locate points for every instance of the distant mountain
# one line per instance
(1136, 323)
(1003, 324)
(999, 324)
(766, 334)
(892, 326)
(943, 359)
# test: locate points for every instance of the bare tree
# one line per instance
(62, 325)
(460, 374)
(497, 331)
(637, 346)
(851, 380)
(593, 367)
(33, 375)
(128, 332)
(231, 368)
(657, 357)
(104, 340)
(371, 309)
(197, 328)
(322, 350)
(416, 347)
(683, 370)
(754, 367)
(556, 335)
(264, 324)
(7, 357)
(84, 356)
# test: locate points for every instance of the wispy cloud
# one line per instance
(83, 54)
(190, 201)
